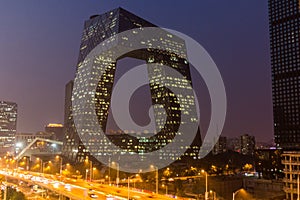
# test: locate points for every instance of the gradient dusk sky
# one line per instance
(39, 46)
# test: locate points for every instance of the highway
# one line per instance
(76, 190)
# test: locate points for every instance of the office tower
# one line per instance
(247, 144)
(8, 125)
(57, 129)
(101, 27)
(284, 20)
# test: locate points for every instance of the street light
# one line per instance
(206, 185)
(156, 175)
(90, 165)
(41, 164)
(27, 162)
(60, 168)
(166, 188)
(214, 194)
(86, 172)
(234, 193)
(44, 163)
(94, 169)
(118, 171)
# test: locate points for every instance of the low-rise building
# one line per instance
(291, 162)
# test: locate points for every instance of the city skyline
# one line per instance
(52, 81)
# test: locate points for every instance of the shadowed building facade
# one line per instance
(101, 27)
(284, 21)
(284, 17)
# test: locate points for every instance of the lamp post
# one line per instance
(118, 172)
(206, 185)
(27, 162)
(43, 167)
(156, 176)
(60, 166)
(49, 162)
(90, 166)
(166, 186)
(94, 169)
(233, 194)
(41, 164)
(86, 172)
(128, 185)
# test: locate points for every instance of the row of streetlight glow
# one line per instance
(92, 170)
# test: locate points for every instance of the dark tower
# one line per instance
(284, 20)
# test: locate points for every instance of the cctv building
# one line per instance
(101, 27)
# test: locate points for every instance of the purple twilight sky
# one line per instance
(39, 45)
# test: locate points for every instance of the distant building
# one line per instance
(220, 146)
(247, 144)
(57, 129)
(265, 145)
(24, 139)
(268, 163)
(291, 162)
(8, 125)
(234, 144)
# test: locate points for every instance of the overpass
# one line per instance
(28, 151)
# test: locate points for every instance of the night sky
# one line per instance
(39, 46)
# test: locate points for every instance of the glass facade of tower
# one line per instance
(284, 19)
(101, 27)
(8, 124)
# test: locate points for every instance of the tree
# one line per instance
(13, 194)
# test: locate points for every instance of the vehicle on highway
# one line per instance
(93, 196)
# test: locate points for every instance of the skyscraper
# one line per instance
(247, 144)
(284, 20)
(101, 27)
(8, 125)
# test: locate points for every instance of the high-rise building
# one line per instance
(284, 20)
(101, 27)
(247, 144)
(220, 146)
(8, 125)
